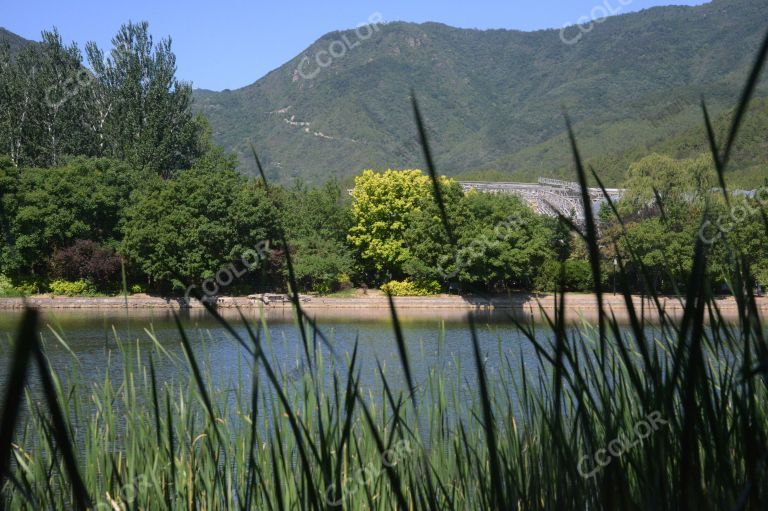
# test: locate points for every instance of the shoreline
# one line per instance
(522, 305)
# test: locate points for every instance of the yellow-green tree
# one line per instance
(674, 180)
(382, 207)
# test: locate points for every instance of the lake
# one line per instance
(437, 340)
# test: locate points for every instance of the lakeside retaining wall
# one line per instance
(522, 305)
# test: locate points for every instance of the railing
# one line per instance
(560, 184)
(547, 196)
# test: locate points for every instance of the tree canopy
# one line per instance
(127, 105)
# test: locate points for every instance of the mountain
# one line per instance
(15, 42)
(749, 156)
(493, 99)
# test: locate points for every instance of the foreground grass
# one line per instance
(645, 422)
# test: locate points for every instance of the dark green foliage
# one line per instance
(501, 243)
(186, 228)
(663, 249)
(143, 109)
(317, 221)
(575, 276)
(48, 209)
(42, 113)
(321, 263)
(661, 239)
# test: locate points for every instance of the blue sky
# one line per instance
(231, 43)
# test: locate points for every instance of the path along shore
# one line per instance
(517, 305)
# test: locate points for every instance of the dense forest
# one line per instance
(108, 181)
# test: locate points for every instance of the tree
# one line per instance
(320, 262)
(663, 248)
(316, 221)
(43, 113)
(431, 255)
(129, 106)
(568, 275)
(381, 210)
(504, 242)
(9, 205)
(64, 112)
(661, 209)
(500, 241)
(182, 230)
(18, 101)
(50, 208)
(675, 182)
(738, 230)
(143, 111)
(87, 260)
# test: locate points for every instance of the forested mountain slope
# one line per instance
(493, 99)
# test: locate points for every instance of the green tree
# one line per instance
(676, 182)
(142, 111)
(43, 110)
(317, 221)
(10, 179)
(504, 243)
(431, 255)
(663, 248)
(500, 241)
(50, 208)
(738, 230)
(576, 272)
(664, 203)
(320, 262)
(182, 230)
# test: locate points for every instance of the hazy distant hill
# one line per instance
(14, 42)
(493, 99)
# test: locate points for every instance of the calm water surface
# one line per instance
(437, 340)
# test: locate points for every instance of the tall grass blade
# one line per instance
(60, 431)
(436, 189)
(591, 230)
(12, 401)
(489, 424)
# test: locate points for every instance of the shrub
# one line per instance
(761, 275)
(322, 287)
(72, 288)
(409, 287)
(136, 289)
(22, 287)
(344, 282)
(87, 260)
(578, 276)
(6, 287)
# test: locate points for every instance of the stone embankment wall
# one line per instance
(522, 305)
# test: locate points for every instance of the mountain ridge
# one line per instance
(14, 41)
(492, 98)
